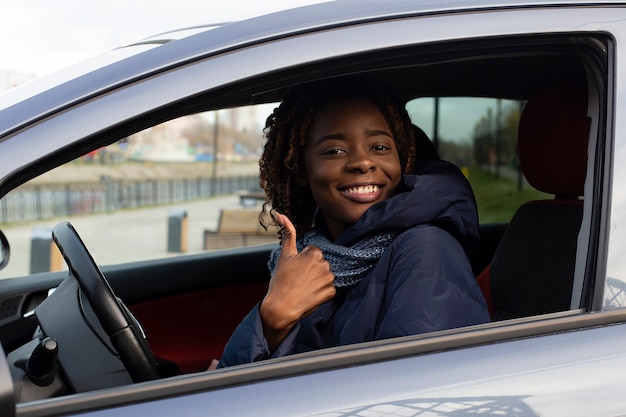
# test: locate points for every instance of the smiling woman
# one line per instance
(382, 256)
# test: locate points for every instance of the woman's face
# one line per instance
(351, 161)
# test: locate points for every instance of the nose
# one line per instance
(360, 160)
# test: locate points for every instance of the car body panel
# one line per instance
(525, 377)
(258, 30)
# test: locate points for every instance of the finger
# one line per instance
(288, 235)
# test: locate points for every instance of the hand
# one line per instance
(301, 282)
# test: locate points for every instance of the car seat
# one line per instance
(424, 148)
(532, 270)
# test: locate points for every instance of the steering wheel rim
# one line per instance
(117, 322)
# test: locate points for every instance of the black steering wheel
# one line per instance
(119, 325)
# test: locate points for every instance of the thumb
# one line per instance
(288, 235)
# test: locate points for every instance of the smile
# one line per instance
(363, 193)
(367, 189)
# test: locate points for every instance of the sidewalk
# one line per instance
(123, 236)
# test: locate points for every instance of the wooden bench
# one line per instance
(237, 228)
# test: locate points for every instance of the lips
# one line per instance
(362, 193)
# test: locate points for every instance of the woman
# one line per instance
(368, 251)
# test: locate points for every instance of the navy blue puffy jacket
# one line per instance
(422, 283)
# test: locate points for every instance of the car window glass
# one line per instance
(157, 193)
(479, 135)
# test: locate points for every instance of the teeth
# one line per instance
(367, 189)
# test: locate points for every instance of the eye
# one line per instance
(381, 148)
(333, 151)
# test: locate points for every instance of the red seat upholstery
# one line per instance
(532, 270)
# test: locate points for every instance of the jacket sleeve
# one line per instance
(248, 344)
(430, 286)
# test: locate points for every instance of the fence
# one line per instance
(39, 203)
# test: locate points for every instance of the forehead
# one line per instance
(336, 110)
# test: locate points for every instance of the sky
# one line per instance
(42, 36)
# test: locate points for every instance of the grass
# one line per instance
(499, 198)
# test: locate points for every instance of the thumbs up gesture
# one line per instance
(301, 282)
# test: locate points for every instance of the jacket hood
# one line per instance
(438, 194)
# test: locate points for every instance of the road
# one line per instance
(122, 236)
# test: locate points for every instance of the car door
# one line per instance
(492, 368)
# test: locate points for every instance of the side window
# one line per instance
(479, 135)
(184, 186)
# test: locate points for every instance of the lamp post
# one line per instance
(215, 148)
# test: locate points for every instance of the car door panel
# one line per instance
(192, 329)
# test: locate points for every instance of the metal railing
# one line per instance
(44, 202)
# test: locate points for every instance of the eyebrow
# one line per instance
(341, 136)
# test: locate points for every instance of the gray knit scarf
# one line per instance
(349, 264)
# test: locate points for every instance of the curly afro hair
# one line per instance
(286, 129)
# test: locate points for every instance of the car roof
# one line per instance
(165, 51)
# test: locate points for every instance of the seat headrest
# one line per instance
(424, 148)
(552, 140)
